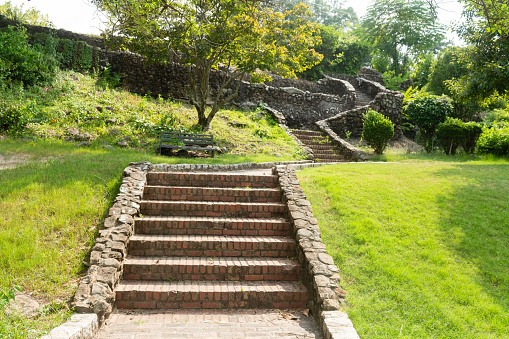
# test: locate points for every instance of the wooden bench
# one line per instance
(187, 141)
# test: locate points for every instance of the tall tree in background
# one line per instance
(324, 12)
(486, 29)
(238, 36)
(30, 16)
(399, 29)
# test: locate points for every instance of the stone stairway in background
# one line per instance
(211, 241)
(321, 146)
(362, 99)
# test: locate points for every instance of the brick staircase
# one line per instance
(323, 149)
(211, 241)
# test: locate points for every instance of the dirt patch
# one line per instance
(403, 144)
(12, 161)
(15, 160)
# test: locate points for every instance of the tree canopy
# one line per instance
(400, 28)
(238, 36)
(324, 12)
(30, 16)
(486, 29)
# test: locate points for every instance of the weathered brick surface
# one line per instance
(211, 240)
(212, 194)
(216, 209)
(211, 226)
(213, 268)
(203, 245)
(217, 294)
(211, 180)
(209, 323)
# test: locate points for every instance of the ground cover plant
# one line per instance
(84, 108)
(422, 245)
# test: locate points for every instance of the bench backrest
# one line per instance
(187, 138)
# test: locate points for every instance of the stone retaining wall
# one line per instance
(320, 274)
(389, 103)
(95, 290)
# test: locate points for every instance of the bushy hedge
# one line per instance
(21, 62)
(454, 133)
(377, 130)
(494, 140)
(427, 111)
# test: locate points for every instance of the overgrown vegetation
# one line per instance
(421, 245)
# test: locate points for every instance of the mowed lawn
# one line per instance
(422, 246)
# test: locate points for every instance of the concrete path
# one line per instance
(232, 324)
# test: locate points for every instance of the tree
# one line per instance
(324, 12)
(397, 28)
(236, 36)
(341, 54)
(30, 16)
(448, 66)
(486, 29)
(427, 111)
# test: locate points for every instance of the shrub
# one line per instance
(451, 134)
(474, 131)
(494, 140)
(427, 111)
(21, 62)
(377, 130)
(15, 116)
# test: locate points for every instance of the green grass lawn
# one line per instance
(422, 246)
(51, 208)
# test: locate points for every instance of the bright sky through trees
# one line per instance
(82, 17)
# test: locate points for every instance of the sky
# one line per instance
(81, 16)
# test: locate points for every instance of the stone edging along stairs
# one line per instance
(323, 149)
(97, 290)
(208, 240)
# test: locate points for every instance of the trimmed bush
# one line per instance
(494, 140)
(451, 134)
(377, 130)
(474, 131)
(427, 111)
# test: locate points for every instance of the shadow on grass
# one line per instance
(475, 224)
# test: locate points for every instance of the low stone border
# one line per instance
(219, 168)
(95, 293)
(351, 152)
(81, 326)
(320, 274)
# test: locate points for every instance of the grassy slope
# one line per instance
(52, 205)
(422, 246)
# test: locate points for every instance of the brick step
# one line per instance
(211, 180)
(216, 209)
(311, 138)
(208, 294)
(324, 149)
(211, 226)
(205, 268)
(303, 132)
(318, 143)
(212, 194)
(330, 159)
(211, 246)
